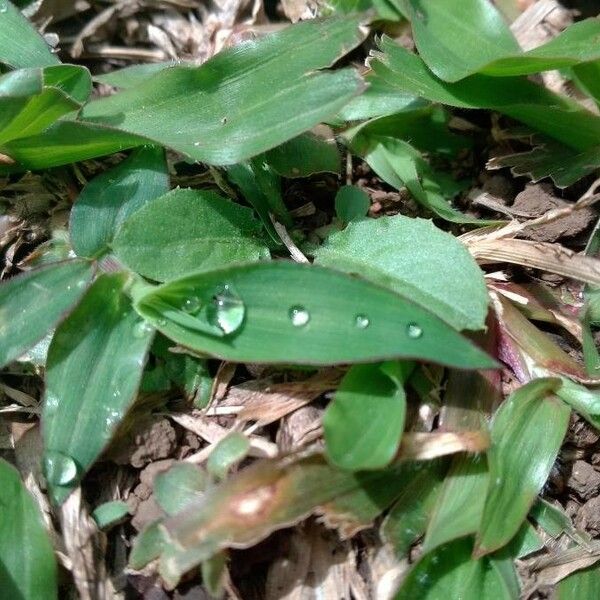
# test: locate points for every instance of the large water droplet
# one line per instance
(414, 331)
(299, 316)
(362, 321)
(142, 330)
(191, 305)
(228, 310)
(59, 469)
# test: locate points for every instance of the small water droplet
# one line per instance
(299, 316)
(3, 7)
(113, 417)
(414, 331)
(498, 480)
(50, 404)
(162, 322)
(227, 310)
(142, 329)
(192, 304)
(197, 144)
(59, 469)
(362, 321)
(224, 120)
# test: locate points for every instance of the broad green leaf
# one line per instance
(94, 367)
(587, 77)
(111, 197)
(66, 142)
(175, 488)
(245, 100)
(229, 451)
(526, 541)
(303, 156)
(459, 506)
(188, 230)
(133, 75)
(559, 117)
(351, 203)
(555, 521)
(27, 564)
(110, 513)
(416, 259)
(527, 432)
(292, 313)
(148, 545)
(33, 303)
(450, 572)
(33, 99)
(21, 46)
(457, 38)
(364, 422)
(580, 585)
(408, 517)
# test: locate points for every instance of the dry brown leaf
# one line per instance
(427, 446)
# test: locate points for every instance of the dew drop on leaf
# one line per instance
(228, 310)
(299, 316)
(414, 331)
(141, 330)
(192, 304)
(361, 321)
(59, 469)
(3, 6)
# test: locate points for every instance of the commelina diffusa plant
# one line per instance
(397, 301)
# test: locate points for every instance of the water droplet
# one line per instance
(3, 7)
(59, 469)
(227, 311)
(192, 305)
(162, 322)
(113, 417)
(414, 331)
(197, 144)
(362, 321)
(142, 329)
(50, 404)
(299, 316)
(224, 120)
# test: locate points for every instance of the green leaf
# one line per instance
(94, 367)
(21, 46)
(408, 517)
(449, 572)
(351, 203)
(304, 156)
(111, 197)
(175, 488)
(457, 511)
(148, 545)
(229, 451)
(245, 100)
(66, 142)
(33, 303)
(27, 565)
(33, 99)
(581, 584)
(557, 116)
(133, 75)
(188, 230)
(110, 513)
(416, 259)
(587, 77)
(364, 422)
(584, 401)
(288, 312)
(459, 37)
(527, 432)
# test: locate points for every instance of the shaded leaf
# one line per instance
(27, 565)
(111, 197)
(351, 203)
(21, 46)
(188, 230)
(94, 367)
(417, 260)
(449, 572)
(527, 432)
(110, 513)
(303, 156)
(459, 506)
(229, 451)
(364, 422)
(245, 100)
(408, 517)
(175, 488)
(287, 312)
(33, 303)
